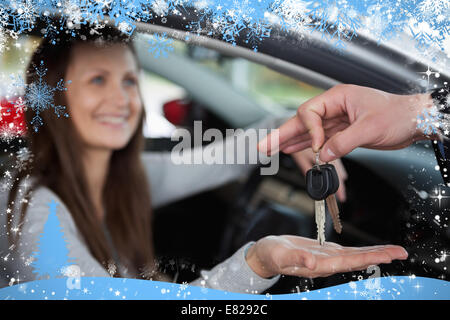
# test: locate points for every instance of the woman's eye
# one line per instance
(130, 82)
(97, 80)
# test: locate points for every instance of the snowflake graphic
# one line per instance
(125, 27)
(9, 132)
(23, 158)
(7, 182)
(182, 290)
(2, 40)
(372, 294)
(256, 35)
(183, 286)
(335, 22)
(291, 15)
(74, 14)
(25, 14)
(425, 36)
(18, 82)
(125, 13)
(338, 21)
(4, 17)
(160, 45)
(175, 6)
(24, 155)
(29, 261)
(371, 290)
(160, 7)
(20, 166)
(429, 120)
(19, 106)
(39, 96)
(111, 268)
(434, 9)
(231, 20)
(422, 38)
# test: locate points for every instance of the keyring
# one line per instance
(317, 160)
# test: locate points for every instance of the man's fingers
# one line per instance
(301, 138)
(312, 119)
(396, 252)
(341, 193)
(331, 258)
(352, 262)
(327, 268)
(342, 174)
(335, 129)
(297, 147)
(331, 127)
(328, 105)
(344, 142)
(290, 129)
(304, 259)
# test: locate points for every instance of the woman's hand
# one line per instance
(306, 159)
(304, 257)
(349, 116)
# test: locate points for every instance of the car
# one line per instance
(393, 197)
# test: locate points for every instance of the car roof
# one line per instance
(308, 55)
(363, 61)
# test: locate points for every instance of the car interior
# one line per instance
(226, 90)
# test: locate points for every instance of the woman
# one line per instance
(91, 164)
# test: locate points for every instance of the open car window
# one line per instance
(207, 77)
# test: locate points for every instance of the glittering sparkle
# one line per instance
(438, 195)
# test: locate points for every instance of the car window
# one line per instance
(156, 91)
(267, 86)
(14, 60)
(268, 89)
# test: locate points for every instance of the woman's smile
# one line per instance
(116, 121)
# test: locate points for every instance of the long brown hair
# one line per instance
(57, 164)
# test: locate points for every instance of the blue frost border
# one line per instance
(427, 21)
(387, 288)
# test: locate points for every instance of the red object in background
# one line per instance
(12, 117)
(176, 111)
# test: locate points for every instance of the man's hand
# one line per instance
(305, 159)
(304, 257)
(348, 116)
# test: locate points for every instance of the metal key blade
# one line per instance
(320, 220)
(334, 213)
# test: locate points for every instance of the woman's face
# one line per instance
(103, 98)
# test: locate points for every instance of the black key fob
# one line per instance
(318, 183)
(334, 177)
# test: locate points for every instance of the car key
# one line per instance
(322, 182)
(331, 199)
(318, 185)
(320, 220)
(334, 212)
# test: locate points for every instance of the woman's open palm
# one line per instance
(304, 257)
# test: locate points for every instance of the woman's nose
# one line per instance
(119, 95)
